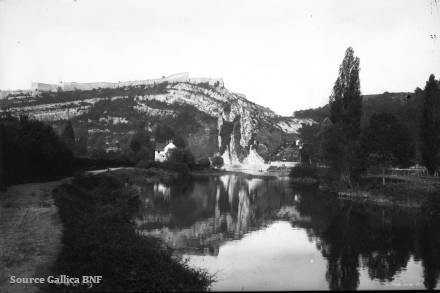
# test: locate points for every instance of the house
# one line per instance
(162, 156)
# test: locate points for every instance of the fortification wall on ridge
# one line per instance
(70, 86)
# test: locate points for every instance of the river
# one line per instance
(263, 234)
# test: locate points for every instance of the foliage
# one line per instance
(309, 135)
(100, 239)
(68, 135)
(385, 141)
(217, 161)
(345, 115)
(163, 133)
(86, 163)
(317, 114)
(33, 152)
(142, 147)
(2, 157)
(304, 170)
(179, 155)
(304, 182)
(225, 134)
(204, 163)
(430, 132)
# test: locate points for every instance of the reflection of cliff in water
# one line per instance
(198, 217)
(213, 211)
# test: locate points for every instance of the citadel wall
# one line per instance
(69, 86)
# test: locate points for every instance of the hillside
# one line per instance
(209, 117)
(405, 106)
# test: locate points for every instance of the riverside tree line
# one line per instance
(349, 149)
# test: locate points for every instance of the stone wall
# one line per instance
(70, 86)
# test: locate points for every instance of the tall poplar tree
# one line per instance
(2, 157)
(345, 115)
(430, 132)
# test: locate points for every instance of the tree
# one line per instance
(386, 142)
(430, 132)
(181, 155)
(81, 145)
(142, 146)
(33, 152)
(309, 137)
(2, 157)
(68, 135)
(217, 161)
(345, 115)
(204, 163)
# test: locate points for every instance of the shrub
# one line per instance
(304, 170)
(203, 163)
(217, 162)
(178, 167)
(181, 169)
(179, 155)
(145, 164)
(304, 181)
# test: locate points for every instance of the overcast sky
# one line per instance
(281, 54)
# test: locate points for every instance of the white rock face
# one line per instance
(292, 125)
(205, 94)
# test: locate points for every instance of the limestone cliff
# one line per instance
(210, 118)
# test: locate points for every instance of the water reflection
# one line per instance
(259, 230)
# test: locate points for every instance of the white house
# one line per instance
(161, 156)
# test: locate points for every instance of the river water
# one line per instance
(263, 234)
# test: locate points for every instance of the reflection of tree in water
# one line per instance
(350, 235)
(383, 238)
(430, 251)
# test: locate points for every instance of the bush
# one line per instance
(203, 163)
(86, 163)
(145, 164)
(181, 169)
(179, 155)
(304, 182)
(178, 167)
(304, 170)
(217, 162)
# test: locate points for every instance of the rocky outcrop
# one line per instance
(208, 116)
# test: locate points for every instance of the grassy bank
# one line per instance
(30, 233)
(406, 192)
(100, 239)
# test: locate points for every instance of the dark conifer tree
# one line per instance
(430, 128)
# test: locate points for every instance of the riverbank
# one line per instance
(30, 233)
(100, 239)
(403, 191)
(246, 173)
(35, 239)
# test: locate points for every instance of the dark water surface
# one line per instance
(262, 234)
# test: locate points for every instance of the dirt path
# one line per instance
(30, 233)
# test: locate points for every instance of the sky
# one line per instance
(283, 54)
